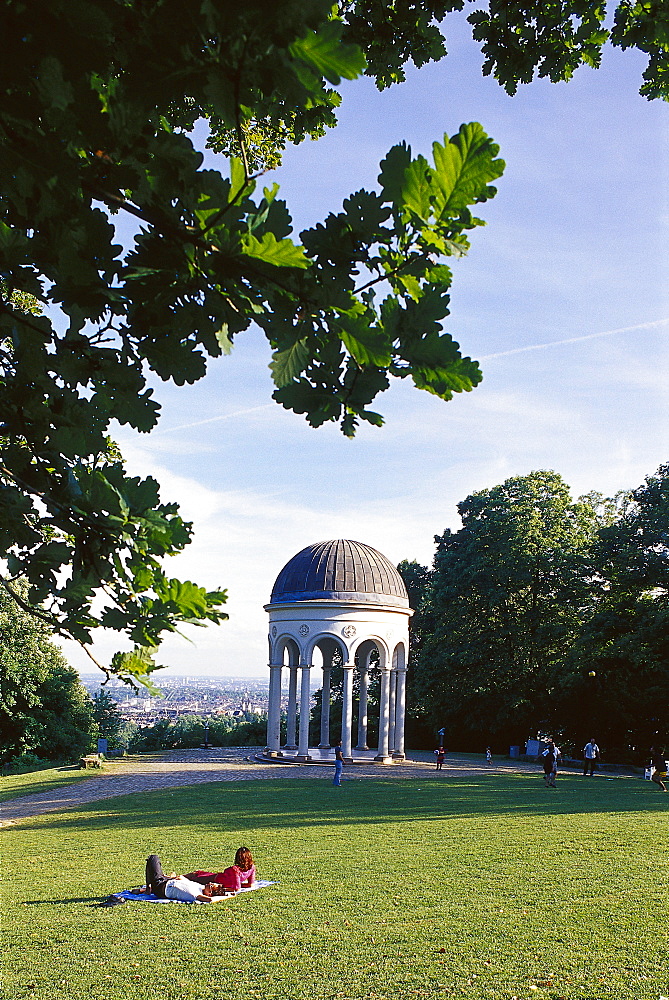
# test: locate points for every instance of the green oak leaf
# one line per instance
(435, 351)
(365, 212)
(318, 404)
(289, 364)
(324, 52)
(192, 601)
(461, 376)
(181, 362)
(417, 188)
(367, 344)
(238, 180)
(463, 167)
(137, 665)
(100, 495)
(279, 253)
(411, 285)
(393, 171)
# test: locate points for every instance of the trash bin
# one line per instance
(514, 751)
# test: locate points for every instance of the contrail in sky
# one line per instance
(213, 420)
(574, 340)
(485, 357)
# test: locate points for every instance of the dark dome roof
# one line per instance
(340, 570)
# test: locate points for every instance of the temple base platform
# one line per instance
(321, 755)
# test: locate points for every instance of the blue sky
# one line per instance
(564, 298)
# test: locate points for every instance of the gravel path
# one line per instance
(192, 767)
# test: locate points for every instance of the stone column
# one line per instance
(291, 721)
(347, 712)
(362, 709)
(391, 711)
(305, 706)
(274, 711)
(384, 717)
(400, 712)
(325, 710)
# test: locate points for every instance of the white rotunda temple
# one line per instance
(338, 596)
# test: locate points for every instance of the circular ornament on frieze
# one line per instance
(274, 631)
(349, 631)
(304, 630)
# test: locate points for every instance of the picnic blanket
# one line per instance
(135, 896)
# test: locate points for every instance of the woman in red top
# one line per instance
(240, 875)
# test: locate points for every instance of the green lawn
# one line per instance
(493, 887)
(13, 786)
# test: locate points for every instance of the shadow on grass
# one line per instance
(282, 803)
(15, 787)
(92, 900)
(18, 786)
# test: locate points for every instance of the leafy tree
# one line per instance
(127, 734)
(618, 684)
(553, 38)
(63, 727)
(417, 580)
(625, 638)
(94, 98)
(156, 737)
(507, 597)
(108, 719)
(519, 41)
(633, 555)
(188, 731)
(43, 708)
(419, 723)
(248, 732)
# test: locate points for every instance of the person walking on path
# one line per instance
(339, 764)
(440, 754)
(549, 759)
(488, 755)
(590, 757)
(659, 765)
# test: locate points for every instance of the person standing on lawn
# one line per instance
(339, 764)
(550, 758)
(590, 757)
(440, 754)
(659, 765)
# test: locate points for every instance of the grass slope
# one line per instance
(493, 887)
(16, 785)
(47, 780)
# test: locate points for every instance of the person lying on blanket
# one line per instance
(175, 886)
(240, 875)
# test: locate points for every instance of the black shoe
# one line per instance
(113, 901)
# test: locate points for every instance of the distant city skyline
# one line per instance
(563, 297)
(94, 676)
